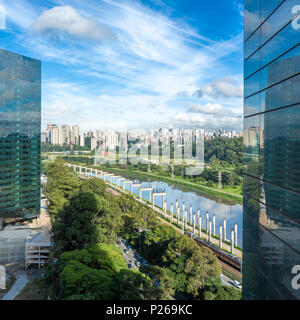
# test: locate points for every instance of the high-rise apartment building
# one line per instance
(65, 134)
(20, 144)
(75, 134)
(271, 231)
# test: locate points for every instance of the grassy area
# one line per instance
(228, 193)
(34, 290)
(231, 275)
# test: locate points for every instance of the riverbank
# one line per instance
(235, 198)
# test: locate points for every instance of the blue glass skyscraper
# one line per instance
(271, 239)
(20, 127)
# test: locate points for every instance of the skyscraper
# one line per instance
(20, 127)
(271, 232)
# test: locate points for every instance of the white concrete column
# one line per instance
(172, 208)
(224, 229)
(185, 219)
(235, 234)
(178, 214)
(182, 223)
(199, 225)
(165, 207)
(214, 225)
(190, 214)
(153, 197)
(207, 222)
(209, 232)
(220, 237)
(140, 194)
(183, 211)
(232, 242)
(194, 223)
(176, 204)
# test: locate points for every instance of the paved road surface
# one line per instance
(131, 255)
(17, 287)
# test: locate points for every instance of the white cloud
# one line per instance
(67, 19)
(213, 109)
(224, 87)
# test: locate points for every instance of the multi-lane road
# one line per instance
(133, 258)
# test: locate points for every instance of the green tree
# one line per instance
(190, 265)
(162, 283)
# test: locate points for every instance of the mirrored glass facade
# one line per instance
(271, 239)
(20, 127)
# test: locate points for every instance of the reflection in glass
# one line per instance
(20, 123)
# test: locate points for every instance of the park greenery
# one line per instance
(221, 155)
(86, 264)
(49, 147)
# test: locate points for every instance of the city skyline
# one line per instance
(133, 76)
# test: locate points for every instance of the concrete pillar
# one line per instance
(214, 225)
(182, 223)
(235, 235)
(185, 219)
(178, 214)
(172, 208)
(194, 223)
(190, 214)
(207, 222)
(176, 204)
(140, 194)
(165, 207)
(209, 232)
(131, 187)
(224, 229)
(220, 237)
(232, 242)
(199, 225)
(183, 210)
(124, 183)
(153, 196)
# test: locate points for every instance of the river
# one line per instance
(205, 203)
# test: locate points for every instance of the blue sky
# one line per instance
(133, 64)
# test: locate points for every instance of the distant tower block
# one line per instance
(224, 229)
(232, 242)
(194, 223)
(209, 233)
(236, 234)
(220, 179)
(190, 214)
(172, 213)
(214, 225)
(207, 221)
(220, 237)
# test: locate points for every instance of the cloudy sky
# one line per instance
(133, 64)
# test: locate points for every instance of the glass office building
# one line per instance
(20, 127)
(271, 239)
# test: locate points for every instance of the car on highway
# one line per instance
(125, 250)
(129, 265)
(138, 264)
